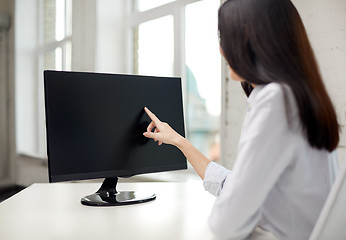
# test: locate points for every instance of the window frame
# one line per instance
(29, 124)
(43, 48)
(177, 10)
(33, 142)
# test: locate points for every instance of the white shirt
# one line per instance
(279, 182)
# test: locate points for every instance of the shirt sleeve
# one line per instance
(264, 151)
(214, 178)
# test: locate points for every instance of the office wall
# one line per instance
(110, 37)
(326, 26)
(6, 97)
(325, 22)
(3, 84)
(98, 36)
(83, 35)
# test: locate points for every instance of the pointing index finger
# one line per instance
(152, 116)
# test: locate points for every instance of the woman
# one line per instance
(280, 179)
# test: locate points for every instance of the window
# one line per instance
(155, 52)
(43, 41)
(143, 5)
(203, 76)
(55, 51)
(55, 47)
(165, 37)
(179, 38)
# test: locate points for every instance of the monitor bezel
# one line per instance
(113, 173)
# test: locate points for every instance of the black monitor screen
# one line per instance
(95, 124)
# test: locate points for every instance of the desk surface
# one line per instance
(53, 211)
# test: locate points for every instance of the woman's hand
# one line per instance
(163, 133)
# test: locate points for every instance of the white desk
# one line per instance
(54, 211)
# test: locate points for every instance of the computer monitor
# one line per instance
(95, 124)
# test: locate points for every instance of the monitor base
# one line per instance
(107, 195)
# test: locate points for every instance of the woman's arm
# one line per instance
(163, 133)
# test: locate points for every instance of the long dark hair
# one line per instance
(265, 41)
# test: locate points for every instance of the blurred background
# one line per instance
(146, 37)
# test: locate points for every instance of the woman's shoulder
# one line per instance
(272, 90)
(268, 93)
(275, 95)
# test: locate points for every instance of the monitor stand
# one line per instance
(107, 195)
